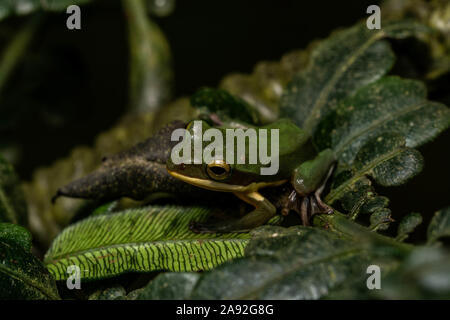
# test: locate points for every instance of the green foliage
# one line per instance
(14, 52)
(288, 265)
(105, 208)
(389, 104)
(150, 60)
(17, 234)
(113, 293)
(344, 100)
(170, 286)
(22, 7)
(22, 276)
(423, 275)
(224, 105)
(309, 263)
(439, 226)
(407, 225)
(339, 66)
(283, 263)
(146, 239)
(12, 202)
(388, 162)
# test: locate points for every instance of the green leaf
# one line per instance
(113, 293)
(13, 52)
(22, 276)
(224, 106)
(150, 60)
(294, 263)
(264, 87)
(12, 201)
(23, 7)
(17, 234)
(339, 66)
(439, 226)
(390, 104)
(290, 263)
(145, 239)
(424, 274)
(373, 204)
(407, 225)
(380, 219)
(170, 286)
(388, 162)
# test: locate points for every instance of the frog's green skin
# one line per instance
(299, 164)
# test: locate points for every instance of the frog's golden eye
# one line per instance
(218, 170)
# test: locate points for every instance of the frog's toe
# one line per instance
(311, 205)
(322, 207)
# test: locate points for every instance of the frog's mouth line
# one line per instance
(223, 187)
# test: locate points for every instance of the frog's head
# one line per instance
(216, 174)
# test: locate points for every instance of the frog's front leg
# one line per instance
(264, 211)
(309, 181)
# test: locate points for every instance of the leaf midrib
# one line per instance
(60, 257)
(342, 146)
(343, 67)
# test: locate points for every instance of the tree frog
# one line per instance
(299, 164)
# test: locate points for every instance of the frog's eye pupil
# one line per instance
(218, 170)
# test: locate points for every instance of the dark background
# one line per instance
(73, 84)
(79, 78)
